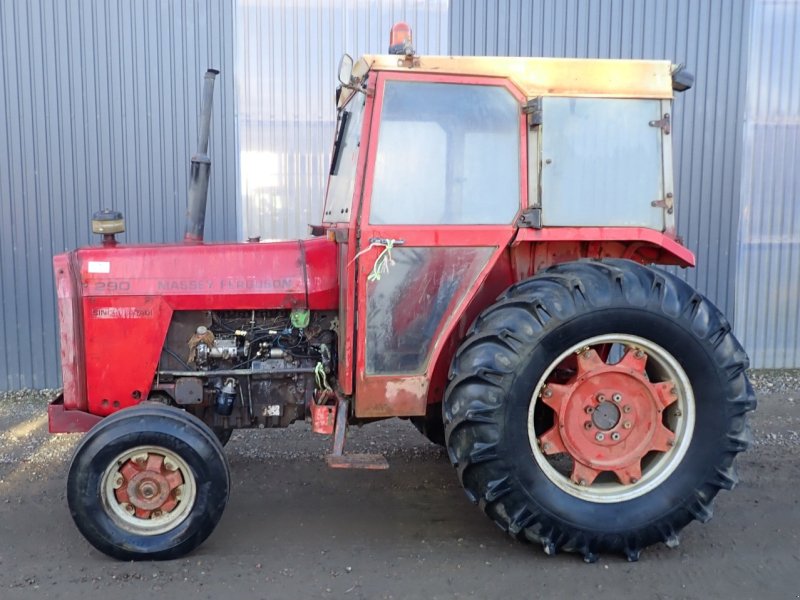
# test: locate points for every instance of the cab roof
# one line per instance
(597, 78)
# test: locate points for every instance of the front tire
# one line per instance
(149, 482)
(222, 434)
(598, 407)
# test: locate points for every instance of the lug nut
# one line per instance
(169, 465)
(587, 425)
(626, 408)
(155, 514)
(582, 482)
(627, 424)
(547, 392)
(601, 398)
(118, 481)
(639, 354)
(589, 410)
(177, 493)
(634, 480)
(617, 397)
(599, 437)
(615, 436)
(546, 446)
(129, 508)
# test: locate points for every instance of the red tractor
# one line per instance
(482, 268)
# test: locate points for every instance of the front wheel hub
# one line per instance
(149, 490)
(613, 417)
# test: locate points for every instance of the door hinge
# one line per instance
(533, 108)
(668, 203)
(531, 217)
(662, 124)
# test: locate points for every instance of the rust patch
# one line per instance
(392, 396)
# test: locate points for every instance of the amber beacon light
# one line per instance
(400, 39)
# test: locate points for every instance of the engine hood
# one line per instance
(266, 275)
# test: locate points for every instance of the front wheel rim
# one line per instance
(148, 490)
(624, 425)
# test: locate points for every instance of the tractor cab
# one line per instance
(444, 169)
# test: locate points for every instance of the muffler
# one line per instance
(200, 168)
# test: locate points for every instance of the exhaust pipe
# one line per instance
(201, 168)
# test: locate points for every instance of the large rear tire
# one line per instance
(598, 407)
(149, 482)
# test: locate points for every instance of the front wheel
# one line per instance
(598, 407)
(150, 482)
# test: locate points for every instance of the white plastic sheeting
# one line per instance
(768, 282)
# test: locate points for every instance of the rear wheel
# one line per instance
(598, 407)
(150, 482)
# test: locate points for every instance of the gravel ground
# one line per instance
(295, 529)
(772, 381)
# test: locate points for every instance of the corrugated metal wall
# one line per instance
(286, 78)
(99, 103)
(709, 36)
(768, 291)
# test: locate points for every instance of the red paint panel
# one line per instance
(61, 420)
(216, 276)
(71, 333)
(123, 340)
(392, 395)
(347, 311)
(674, 253)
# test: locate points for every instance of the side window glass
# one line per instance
(447, 154)
(344, 162)
(618, 155)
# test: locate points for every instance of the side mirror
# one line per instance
(345, 69)
(359, 71)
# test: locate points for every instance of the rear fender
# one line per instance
(496, 281)
(535, 249)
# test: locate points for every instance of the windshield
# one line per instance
(344, 161)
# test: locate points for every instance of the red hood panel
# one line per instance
(216, 276)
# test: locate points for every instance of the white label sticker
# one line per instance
(99, 266)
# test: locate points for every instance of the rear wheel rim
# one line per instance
(148, 490)
(617, 424)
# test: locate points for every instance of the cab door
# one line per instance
(444, 185)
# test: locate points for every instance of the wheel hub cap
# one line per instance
(147, 486)
(608, 417)
(605, 416)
